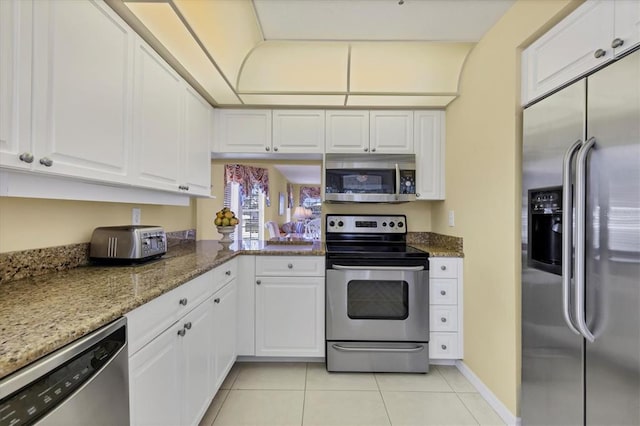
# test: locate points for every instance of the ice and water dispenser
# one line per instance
(545, 229)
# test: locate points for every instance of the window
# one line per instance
(250, 210)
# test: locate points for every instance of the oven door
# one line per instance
(377, 303)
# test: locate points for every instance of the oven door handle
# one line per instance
(341, 348)
(379, 268)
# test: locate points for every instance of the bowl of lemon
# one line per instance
(226, 222)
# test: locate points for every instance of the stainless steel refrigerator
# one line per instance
(581, 252)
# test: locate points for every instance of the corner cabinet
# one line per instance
(289, 301)
(429, 145)
(445, 308)
(594, 34)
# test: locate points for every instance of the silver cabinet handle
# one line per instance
(567, 232)
(266, 148)
(617, 42)
(442, 292)
(343, 348)
(27, 157)
(187, 325)
(275, 148)
(581, 210)
(378, 268)
(186, 187)
(444, 268)
(418, 194)
(290, 266)
(228, 273)
(216, 300)
(599, 53)
(366, 150)
(443, 319)
(47, 162)
(182, 332)
(258, 282)
(183, 301)
(444, 347)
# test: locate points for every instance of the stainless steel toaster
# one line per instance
(128, 243)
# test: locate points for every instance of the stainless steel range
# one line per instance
(377, 296)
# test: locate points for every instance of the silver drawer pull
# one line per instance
(183, 301)
(443, 319)
(442, 292)
(228, 273)
(258, 282)
(444, 268)
(342, 348)
(444, 347)
(216, 300)
(290, 266)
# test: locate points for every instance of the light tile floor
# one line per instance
(281, 394)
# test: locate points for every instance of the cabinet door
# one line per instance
(391, 132)
(224, 333)
(154, 381)
(81, 90)
(196, 162)
(290, 316)
(15, 83)
(568, 50)
(298, 131)
(627, 24)
(196, 363)
(347, 131)
(429, 146)
(157, 120)
(244, 131)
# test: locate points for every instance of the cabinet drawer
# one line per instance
(443, 318)
(443, 346)
(443, 267)
(224, 273)
(149, 320)
(443, 291)
(311, 266)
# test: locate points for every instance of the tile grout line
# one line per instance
(304, 394)
(468, 409)
(386, 410)
(227, 395)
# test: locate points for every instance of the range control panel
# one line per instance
(367, 224)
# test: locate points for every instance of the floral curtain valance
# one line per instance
(309, 192)
(248, 177)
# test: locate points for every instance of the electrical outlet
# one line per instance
(135, 216)
(452, 221)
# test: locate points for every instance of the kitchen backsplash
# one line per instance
(16, 265)
(432, 239)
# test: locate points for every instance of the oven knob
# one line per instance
(391, 224)
(400, 224)
(384, 224)
(340, 223)
(332, 224)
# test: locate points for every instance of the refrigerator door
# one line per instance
(612, 264)
(552, 355)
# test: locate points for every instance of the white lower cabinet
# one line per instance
(445, 308)
(223, 328)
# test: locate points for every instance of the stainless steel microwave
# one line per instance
(370, 178)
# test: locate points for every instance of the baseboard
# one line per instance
(442, 361)
(486, 393)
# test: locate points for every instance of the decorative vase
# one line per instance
(226, 232)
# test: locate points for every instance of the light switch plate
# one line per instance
(452, 221)
(135, 216)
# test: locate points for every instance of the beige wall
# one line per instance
(29, 223)
(418, 212)
(206, 208)
(483, 188)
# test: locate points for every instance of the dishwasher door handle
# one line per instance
(378, 268)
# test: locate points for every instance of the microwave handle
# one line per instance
(397, 179)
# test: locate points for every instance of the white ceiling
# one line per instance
(427, 20)
(301, 175)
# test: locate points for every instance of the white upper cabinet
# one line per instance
(81, 90)
(347, 131)
(298, 131)
(15, 83)
(156, 120)
(429, 146)
(243, 131)
(594, 34)
(195, 170)
(391, 132)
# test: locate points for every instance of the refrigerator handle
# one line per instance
(581, 207)
(567, 232)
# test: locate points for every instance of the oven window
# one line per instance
(378, 299)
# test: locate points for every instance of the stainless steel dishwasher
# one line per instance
(84, 383)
